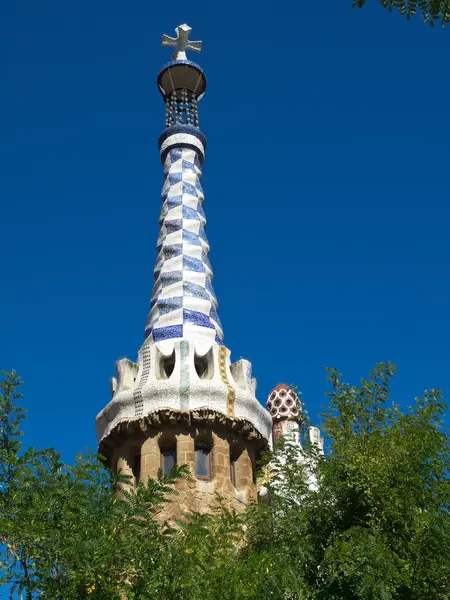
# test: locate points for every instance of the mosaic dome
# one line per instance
(283, 403)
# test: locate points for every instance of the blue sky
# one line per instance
(326, 184)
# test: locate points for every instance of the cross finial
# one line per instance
(181, 42)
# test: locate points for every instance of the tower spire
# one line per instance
(184, 398)
(183, 303)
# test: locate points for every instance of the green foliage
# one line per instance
(377, 525)
(368, 520)
(65, 533)
(432, 11)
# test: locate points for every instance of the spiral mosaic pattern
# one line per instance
(183, 303)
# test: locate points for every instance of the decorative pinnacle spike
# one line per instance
(181, 42)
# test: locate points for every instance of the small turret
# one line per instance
(285, 407)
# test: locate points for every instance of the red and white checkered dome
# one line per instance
(283, 402)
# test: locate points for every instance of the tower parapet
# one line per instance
(184, 392)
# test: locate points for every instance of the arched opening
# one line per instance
(136, 469)
(235, 453)
(233, 470)
(201, 366)
(204, 365)
(168, 365)
(202, 460)
(254, 470)
(168, 451)
(164, 365)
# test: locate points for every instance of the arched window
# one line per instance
(254, 470)
(168, 366)
(168, 458)
(136, 469)
(201, 366)
(233, 471)
(202, 460)
(234, 456)
(165, 365)
(204, 365)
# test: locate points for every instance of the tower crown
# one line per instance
(182, 83)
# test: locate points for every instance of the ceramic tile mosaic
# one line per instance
(145, 364)
(231, 397)
(183, 303)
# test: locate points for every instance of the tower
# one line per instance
(183, 401)
(285, 407)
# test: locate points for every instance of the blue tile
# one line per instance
(197, 318)
(202, 234)
(215, 317)
(172, 250)
(188, 188)
(209, 287)
(205, 260)
(198, 186)
(201, 211)
(174, 225)
(167, 333)
(190, 213)
(174, 201)
(188, 166)
(175, 178)
(193, 264)
(154, 298)
(197, 161)
(167, 305)
(175, 154)
(194, 290)
(192, 238)
(171, 277)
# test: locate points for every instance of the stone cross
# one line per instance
(181, 42)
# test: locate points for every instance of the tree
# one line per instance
(375, 526)
(432, 11)
(378, 523)
(65, 533)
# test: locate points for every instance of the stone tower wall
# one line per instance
(227, 443)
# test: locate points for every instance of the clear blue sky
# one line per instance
(326, 183)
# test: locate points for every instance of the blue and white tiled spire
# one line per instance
(183, 364)
(183, 303)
